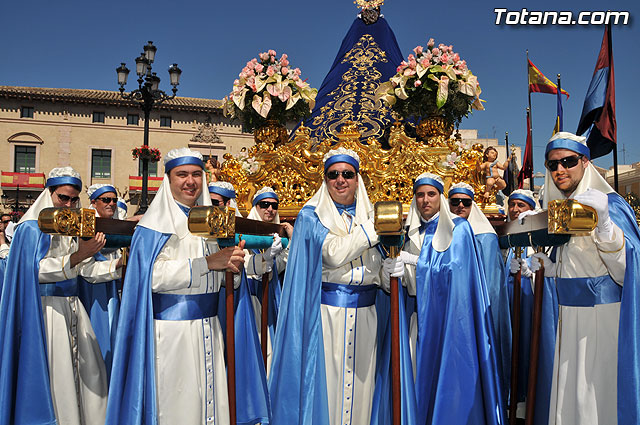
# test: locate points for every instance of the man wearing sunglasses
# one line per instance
(99, 293)
(271, 261)
(451, 327)
(66, 374)
(597, 357)
(169, 356)
(324, 357)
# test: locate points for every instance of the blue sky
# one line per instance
(78, 44)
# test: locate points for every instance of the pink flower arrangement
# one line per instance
(432, 81)
(268, 88)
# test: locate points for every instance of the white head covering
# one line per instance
(478, 221)
(164, 215)
(98, 189)
(591, 179)
(226, 189)
(122, 209)
(323, 203)
(444, 231)
(264, 193)
(57, 176)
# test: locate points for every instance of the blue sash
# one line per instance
(65, 288)
(349, 296)
(588, 291)
(184, 307)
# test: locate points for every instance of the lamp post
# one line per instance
(147, 95)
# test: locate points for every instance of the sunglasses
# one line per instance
(456, 201)
(6, 221)
(566, 162)
(215, 202)
(346, 174)
(266, 204)
(65, 198)
(108, 200)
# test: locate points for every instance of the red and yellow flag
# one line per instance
(538, 83)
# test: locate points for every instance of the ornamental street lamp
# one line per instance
(147, 95)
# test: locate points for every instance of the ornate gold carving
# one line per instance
(437, 130)
(295, 169)
(212, 222)
(354, 99)
(68, 221)
(570, 217)
(272, 133)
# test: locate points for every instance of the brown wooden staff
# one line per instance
(515, 340)
(265, 316)
(231, 348)
(535, 344)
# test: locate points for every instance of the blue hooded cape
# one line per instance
(132, 391)
(494, 270)
(457, 377)
(629, 329)
(102, 302)
(25, 393)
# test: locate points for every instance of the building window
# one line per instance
(133, 119)
(153, 168)
(98, 117)
(25, 159)
(165, 121)
(100, 163)
(26, 112)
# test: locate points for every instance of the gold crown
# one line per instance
(368, 4)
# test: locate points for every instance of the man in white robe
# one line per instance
(170, 301)
(324, 362)
(76, 371)
(595, 374)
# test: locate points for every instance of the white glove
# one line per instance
(599, 202)
(393, 267)
(521, 264)
(408, 258)
(267, 263)
(549, 266)
(524, 214)
(275, 248)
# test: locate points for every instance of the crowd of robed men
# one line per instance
(74, 349)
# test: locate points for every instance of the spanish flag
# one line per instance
(538, 83)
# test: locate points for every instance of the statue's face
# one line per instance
(427, 200)
(460, 205)
(342, 182)
(266, 210)
(186, 183)
(106, 204)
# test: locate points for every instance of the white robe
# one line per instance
(584, 389)
(349, 334)
(76, 369)
(191, 379)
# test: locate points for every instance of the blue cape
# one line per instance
(297, 382)
(25, 394)
(548, 330)
(132, 391)
(629, 329)
(494, 271)
(102, 302)
(457, 377)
